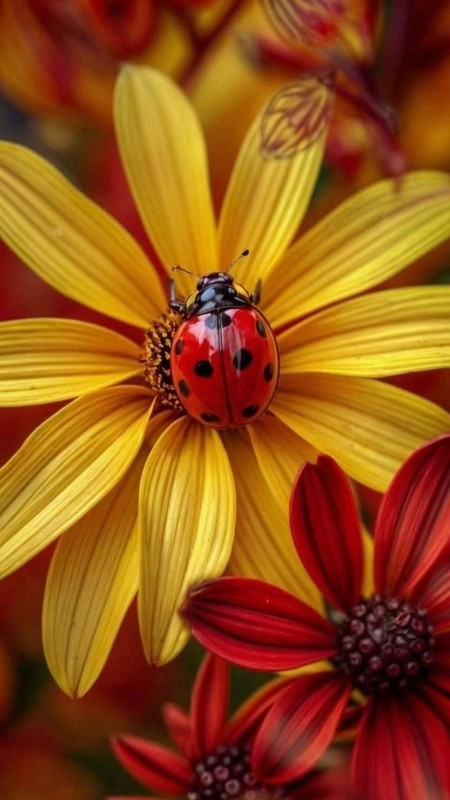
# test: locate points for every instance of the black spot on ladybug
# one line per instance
(226, 320)
(204, 369)
(209, 417)
(261, 328)
(179, 347)
(250, 411)
(211, 321)
(242, 359)
(268, 372)
(184, 388)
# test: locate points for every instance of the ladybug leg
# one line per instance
(256, 296)
(174, 303)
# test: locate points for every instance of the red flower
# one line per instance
(394, 647)
(214, 762)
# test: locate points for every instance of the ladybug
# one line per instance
(224, 357)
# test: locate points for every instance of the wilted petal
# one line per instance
(400, 751)
(367, 426)
(327, 532)
(296, 115)
(300, 726)
(92, 580)
(71, 243)
(412, 528)
(257, 625)
(369, 237)
(43, 360)
(67, 466)
(188, 511)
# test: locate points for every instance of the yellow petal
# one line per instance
(67, 466)
(92, 580)
(164, 156)
(43, 360)
(188, 510)
(263, 546)
(367, 426)
(71, 243)
(279, 464)
(264, 205)
(368, 238)
(385, 333)
(368, 586)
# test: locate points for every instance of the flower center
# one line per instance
(226, 774)
(385, 645)
(157, 372)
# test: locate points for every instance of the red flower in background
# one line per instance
(394, 647)
(214, 755)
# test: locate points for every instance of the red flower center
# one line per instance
(225, 774)
(385, 644)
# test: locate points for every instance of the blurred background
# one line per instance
(389, 67)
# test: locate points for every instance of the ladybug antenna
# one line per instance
(242, 255)
(183, 269)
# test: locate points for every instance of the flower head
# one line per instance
(215, 762)
(392, 646)
(147, 497)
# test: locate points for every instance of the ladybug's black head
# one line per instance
(214, 277)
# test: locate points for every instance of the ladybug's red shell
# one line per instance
(225, 366)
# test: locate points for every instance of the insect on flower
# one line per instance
(224, 356)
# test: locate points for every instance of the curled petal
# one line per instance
(187, 513)
(257, 625)
(154, 766)
(400, 751)
(326, 531)
(300, 726)
(412, 528)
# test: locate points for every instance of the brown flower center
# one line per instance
(385, 644)
(157, 372)
(226, 774)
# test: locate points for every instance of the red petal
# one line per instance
(258, 625)
(178, 724)
(247, 719)
(209, 705)
(300, 726)
(401, 751)
(326, 531)
(433, 594)
(414, 518)
(154, 766)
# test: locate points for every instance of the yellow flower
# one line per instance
(89, 467)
